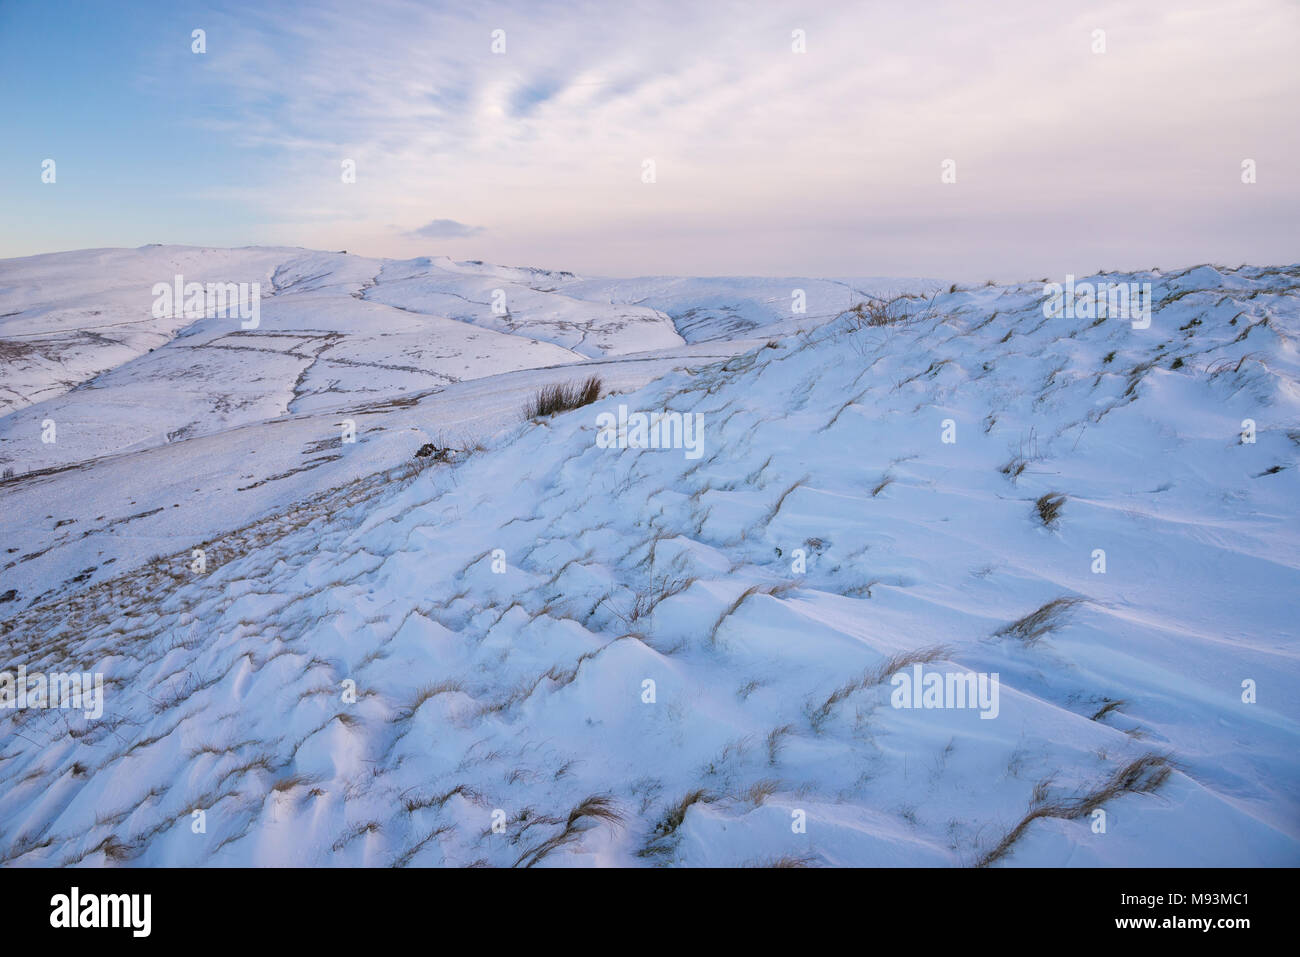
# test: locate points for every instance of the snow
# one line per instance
(768, 589)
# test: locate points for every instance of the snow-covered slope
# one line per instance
(233, 424)
(67, 317)
(568, 654)
(326, 339)
(712, 309)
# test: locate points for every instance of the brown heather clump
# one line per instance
(1049, 508)
(561, 397)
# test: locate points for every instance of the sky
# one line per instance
(784, 139)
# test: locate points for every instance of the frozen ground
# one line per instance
(501, 609)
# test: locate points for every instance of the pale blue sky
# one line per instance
(767, 161)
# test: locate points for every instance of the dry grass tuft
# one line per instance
(776, 740)
(760, 791)
(354, 832)
(290, 782)
(597, 808)
(1114, 704)
(875, 676)
(561, 397)
(413, 804)
(1143, 775)
(1041, 621)
(645, 601)
(428, 692)
(113, 850)
(894, 311)
(1049, 508)
(773, 590)
(776, 508)
(1014, 468)
(661, 838)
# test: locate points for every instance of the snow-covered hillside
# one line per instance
(565, 653)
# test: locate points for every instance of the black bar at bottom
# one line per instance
(344, 908)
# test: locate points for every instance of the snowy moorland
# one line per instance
(532, 645)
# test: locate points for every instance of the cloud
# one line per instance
(768, 159)
(445, 229)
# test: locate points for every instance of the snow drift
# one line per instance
(544, 649)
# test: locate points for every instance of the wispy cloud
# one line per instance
(445, 229)
(766, 159)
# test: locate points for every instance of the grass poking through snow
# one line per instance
(1049, 508)
(1140, 776)
(1041, 621)
(561, 397)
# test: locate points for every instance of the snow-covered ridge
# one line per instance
(501, 614)
(228, 421)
